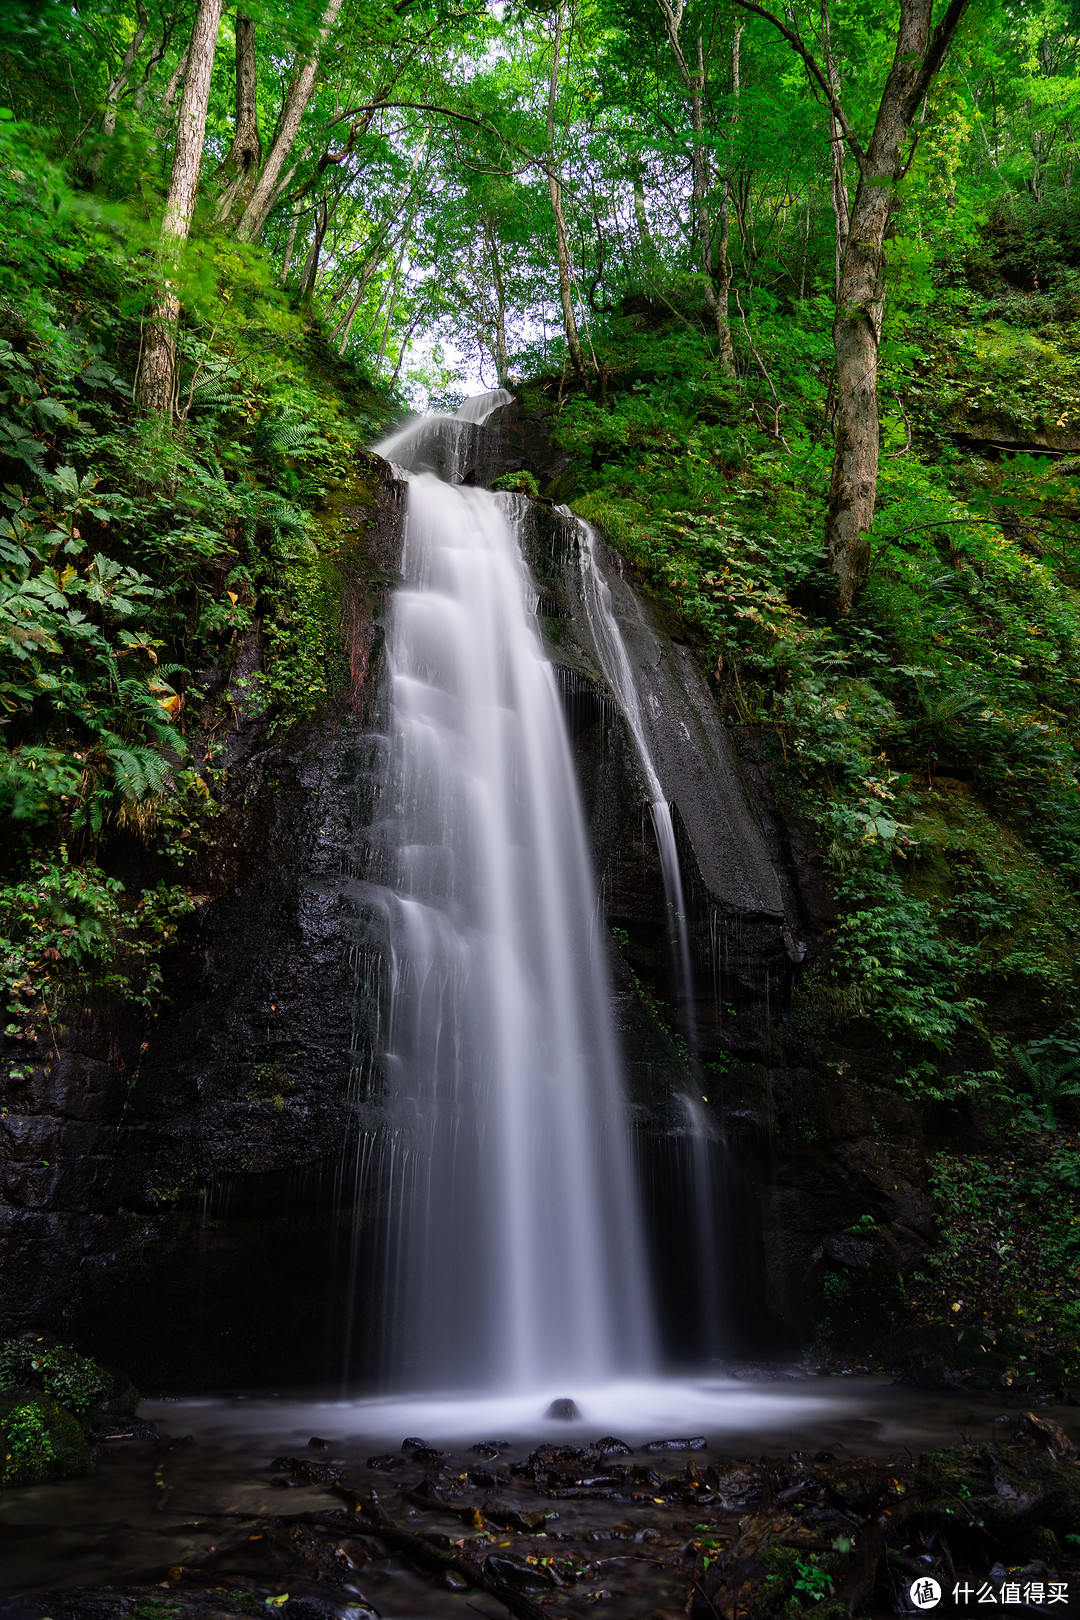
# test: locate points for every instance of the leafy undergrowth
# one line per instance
(135, 556)
(1009, 1259)
(50, 1396)
(930, 742)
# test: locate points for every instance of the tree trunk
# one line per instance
(840, 201)
(291, 243)
(324, 213)
(861, 295)
(641, 217)
(265, 192)
(168, 95)
(155, 384)
(245, 154)
(566, 296)
(716, 280)
(500, 302)
(345, 325)
(117, 85)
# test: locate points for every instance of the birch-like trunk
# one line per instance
(117, 84)
(155, 384)
(168, 95)
(566, 292)
(841, 203)
(715, 259)
(640, 216)
(242, 160)
(266, 191)
(499, 283)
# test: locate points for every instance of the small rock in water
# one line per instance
(429, 1454)
(610, 1447)
(319, 1445)
(388, 1460)
(566, 1409)
(408, 1445)
(520, 1576)
(489, 1448)
(696, 1444)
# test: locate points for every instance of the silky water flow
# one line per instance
(700, 1171)
(515, 1256)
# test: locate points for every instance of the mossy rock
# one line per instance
(40, 1441)
(125, 1403)
(956, 1471)
(521, 482)
(75, 1382)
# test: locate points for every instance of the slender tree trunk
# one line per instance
(566, 294)
(168, 95)
(291, 243)
(716, 280)
(345, 325)
(640, 216)
(116, 87)
(500, 302)
(245, 154)
(324, 213)
(265, 192)
(860, 298)
(156, 381)
(840, 201)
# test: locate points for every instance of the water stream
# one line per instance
(614, 661)
(704, 1146)
(515, 1255)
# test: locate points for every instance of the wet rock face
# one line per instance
(243, 1071)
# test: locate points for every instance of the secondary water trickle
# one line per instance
(614, 661)
(514, 1249)
(699, 1168)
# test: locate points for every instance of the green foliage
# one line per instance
(1008, 1257)
(134, 552)
(75, 1382)
(1050, 1073)
(957, 904)
(67, 925)
(48, 1395)
(518, 483)
(39, 1440)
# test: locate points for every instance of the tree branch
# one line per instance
(940, 41)
(816, 72)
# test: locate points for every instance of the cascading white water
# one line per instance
(703, 1184)
(481, 406)
(614, 661)
(515, 1253)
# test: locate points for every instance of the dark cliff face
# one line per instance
(178, 1190)
(137, 1135)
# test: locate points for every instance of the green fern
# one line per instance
(282, 435)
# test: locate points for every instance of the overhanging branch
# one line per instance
(816, 72)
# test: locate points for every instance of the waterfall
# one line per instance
(481, 406)
(614, 662)
(515, 1255)
(702, 1171)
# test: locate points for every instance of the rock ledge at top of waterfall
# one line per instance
(445, 445)
(481, 406)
